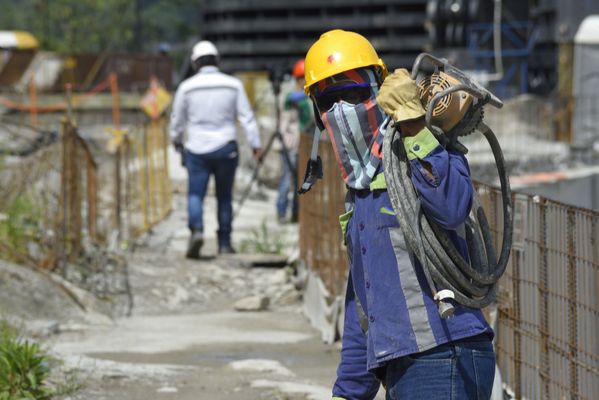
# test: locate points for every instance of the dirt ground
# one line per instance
(185, 340)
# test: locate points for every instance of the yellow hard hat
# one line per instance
(338, 51)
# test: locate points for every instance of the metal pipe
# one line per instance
(498, 75)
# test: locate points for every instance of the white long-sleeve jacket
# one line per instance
(207, 106)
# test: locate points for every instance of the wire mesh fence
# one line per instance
(548, 302)
(82, 193)
(548, 321)
(321, 243)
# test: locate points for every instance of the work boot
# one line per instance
(226, 250)
(196, 240)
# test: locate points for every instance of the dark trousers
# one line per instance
(462, 370)
(221, 163)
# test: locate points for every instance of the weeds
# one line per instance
(262, 242)
(18, 224)
(23, 367)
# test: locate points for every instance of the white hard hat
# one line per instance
(203, 48)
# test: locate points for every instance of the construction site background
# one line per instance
(547, 313)
(84, 172)
(74, 196)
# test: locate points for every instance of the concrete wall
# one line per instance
(578, 188)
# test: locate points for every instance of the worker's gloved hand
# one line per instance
(399, 97)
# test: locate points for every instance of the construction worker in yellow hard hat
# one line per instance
(393, 332)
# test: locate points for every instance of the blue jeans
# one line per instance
(462, 370)
(222, 163)
(287, 180)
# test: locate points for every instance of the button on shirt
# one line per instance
(207, 107)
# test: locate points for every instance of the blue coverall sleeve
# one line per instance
(446, 190)
(354, 382)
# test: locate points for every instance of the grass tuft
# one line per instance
(261, 241)
(24, 367)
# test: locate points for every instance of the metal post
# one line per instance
(544, 368)
(572, 308)
(91, 188)
(33, 101)
(76, 197)
(595, 271)
(61, 244)
(166, 178)
(151, 165)
(517, 328)
(127, 150)
(92, 198)
(160, 170)
(142, 180)
(70, 194)
(116, 119)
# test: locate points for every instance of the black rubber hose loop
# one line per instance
(473, 286)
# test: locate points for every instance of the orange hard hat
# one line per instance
(298, 69)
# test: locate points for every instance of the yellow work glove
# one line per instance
(399, 97)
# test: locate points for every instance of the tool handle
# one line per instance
(422, 57)
(468, 85)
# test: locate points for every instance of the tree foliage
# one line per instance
(91, 26)
(171, 21)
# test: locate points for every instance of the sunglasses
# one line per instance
(353, 93)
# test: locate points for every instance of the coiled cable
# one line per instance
(472, 282)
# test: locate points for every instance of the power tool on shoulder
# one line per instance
(453, 101)
(454, 108)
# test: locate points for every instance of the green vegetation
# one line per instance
(92, 26)
(262, 242)
(24, 368)
(18, 224)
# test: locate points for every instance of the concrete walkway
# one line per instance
(185, 340)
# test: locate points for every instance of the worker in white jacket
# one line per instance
(206, 107)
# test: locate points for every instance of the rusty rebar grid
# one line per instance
(567, 365)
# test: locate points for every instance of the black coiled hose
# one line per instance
(474, 282)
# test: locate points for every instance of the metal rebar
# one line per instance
(544, 368)
(517, 325)
(572, 305)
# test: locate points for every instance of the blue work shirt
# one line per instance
(389, 282)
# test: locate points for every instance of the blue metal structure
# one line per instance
(518, 39)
